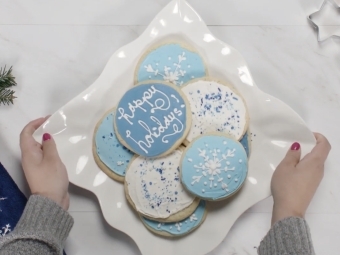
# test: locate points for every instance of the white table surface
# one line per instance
(59, 47)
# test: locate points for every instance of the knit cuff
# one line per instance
(44, 216)
(288, 236)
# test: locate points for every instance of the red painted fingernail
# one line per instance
(295, 146)
(46, 137)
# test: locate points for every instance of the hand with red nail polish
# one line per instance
(45, 172)
(295, 181)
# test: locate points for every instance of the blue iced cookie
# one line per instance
(214, 167)
(245, 141)
(180, 228)
(152, 119)
(110, 155)
(171, 62)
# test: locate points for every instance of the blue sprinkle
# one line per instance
(235, 98)
(103, 136)
(111, 134)
(150, 183)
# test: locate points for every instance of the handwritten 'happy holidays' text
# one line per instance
(153, 100)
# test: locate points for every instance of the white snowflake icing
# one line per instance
(170, 75)
(212, 168)
(178, 226)
(5, 230)
(193, 218)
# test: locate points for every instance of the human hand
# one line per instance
(45, 173)
(295, 181)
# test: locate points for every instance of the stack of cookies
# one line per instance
(177, 139)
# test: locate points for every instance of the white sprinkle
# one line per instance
(228, 163)
(203, 190)
(189, 66)
(169, 58)
(215, 185)
(190, 159)
(225, 142)
(197, 171)
(156, 64)
(170, 227)
(183, 105)
(159, 225)
(120, 163)
(229, 176)
(205, 183)
(236, 180)
(240, 161)
(149, 77)
(180, 224)
(218, 150)
(192, 77)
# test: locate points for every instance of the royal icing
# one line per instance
(182, 227)
(151, 119)
(155, 188)
(214, 167)
(110, 151)
(215, 108)
(172, 63)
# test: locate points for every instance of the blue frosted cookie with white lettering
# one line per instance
(180, 228)
(110, 155)
(171, 62)
(152, 119)
(214, 167)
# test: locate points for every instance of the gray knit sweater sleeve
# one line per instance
(41, 230)
(290, 236)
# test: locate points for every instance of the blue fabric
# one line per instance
(12, 203)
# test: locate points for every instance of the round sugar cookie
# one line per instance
(172, 62)
(214, 167)
(181, 228)
(246, 142)
(215, 107)
(154, 189)
(152, 119)
(110, 155)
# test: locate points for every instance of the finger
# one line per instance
(26, 139)
(321, 149)
(49, 147)
(293, 155)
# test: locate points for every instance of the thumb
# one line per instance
(293, 155)
(49, 147)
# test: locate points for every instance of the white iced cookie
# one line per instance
(154, 189)
(215, 107)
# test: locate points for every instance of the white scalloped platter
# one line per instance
(275, 125)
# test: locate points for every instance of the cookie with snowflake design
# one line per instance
(171, 62)
(152, 119)
(180, 228)
(215, 107)
(214, 167)
(110, 155)
(154, 189)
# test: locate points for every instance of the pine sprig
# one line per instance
(6, 96)
(6, 78)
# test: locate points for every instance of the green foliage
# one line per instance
(7, 80)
